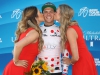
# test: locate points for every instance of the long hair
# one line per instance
(28, 20)
(66, 14)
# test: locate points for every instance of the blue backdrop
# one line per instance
(87, 13)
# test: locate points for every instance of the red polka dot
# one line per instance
(40, 58)
(52, 31)
(52, 65)
(46, 57)
(63, 54)
(63, 74)
(57, 63)
(65, 70)
(57, 30)
(66, 54)
(57, 57)
(52, 59)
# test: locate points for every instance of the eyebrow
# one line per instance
(48, 10)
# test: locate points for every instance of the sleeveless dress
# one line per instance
(28, 53)
(85, 65)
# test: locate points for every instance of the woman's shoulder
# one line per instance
(29, 29)
(74, 26)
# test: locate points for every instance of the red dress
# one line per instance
(85, 65)
(28, 53)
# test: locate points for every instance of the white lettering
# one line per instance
(91, 44)
(97, 61)
(91, 35)
(0, 16)
(13, 39)
(0, 40)
(94, 12)
(96, 37)
(84, 11)
(50, 46)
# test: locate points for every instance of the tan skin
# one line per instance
(72, 39)
(48, 15)
(31, 37)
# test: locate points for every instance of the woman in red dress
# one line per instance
(72, 39)
(28, 43)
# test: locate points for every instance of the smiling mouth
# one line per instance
(48, 17)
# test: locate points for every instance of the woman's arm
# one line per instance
(30, 38)
(72, 39)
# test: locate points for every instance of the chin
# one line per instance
(57, 20)
(49, 21)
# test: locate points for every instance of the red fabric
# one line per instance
(28, 53)
(85, 65)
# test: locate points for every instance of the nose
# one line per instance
(48, 13)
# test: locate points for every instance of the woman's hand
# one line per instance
(66, 60)
(22, 63)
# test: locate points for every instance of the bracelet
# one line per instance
(15, 62)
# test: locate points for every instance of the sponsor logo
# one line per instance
(49, 46)
(55, 33)
(13, 39)
(92, 36)
(44, 32)
(16, 13)
(97, 61)
(85, 11)
(45, 35)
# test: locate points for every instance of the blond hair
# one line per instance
(28, 20)
(66, 14)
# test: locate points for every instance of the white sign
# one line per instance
(85, 11)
